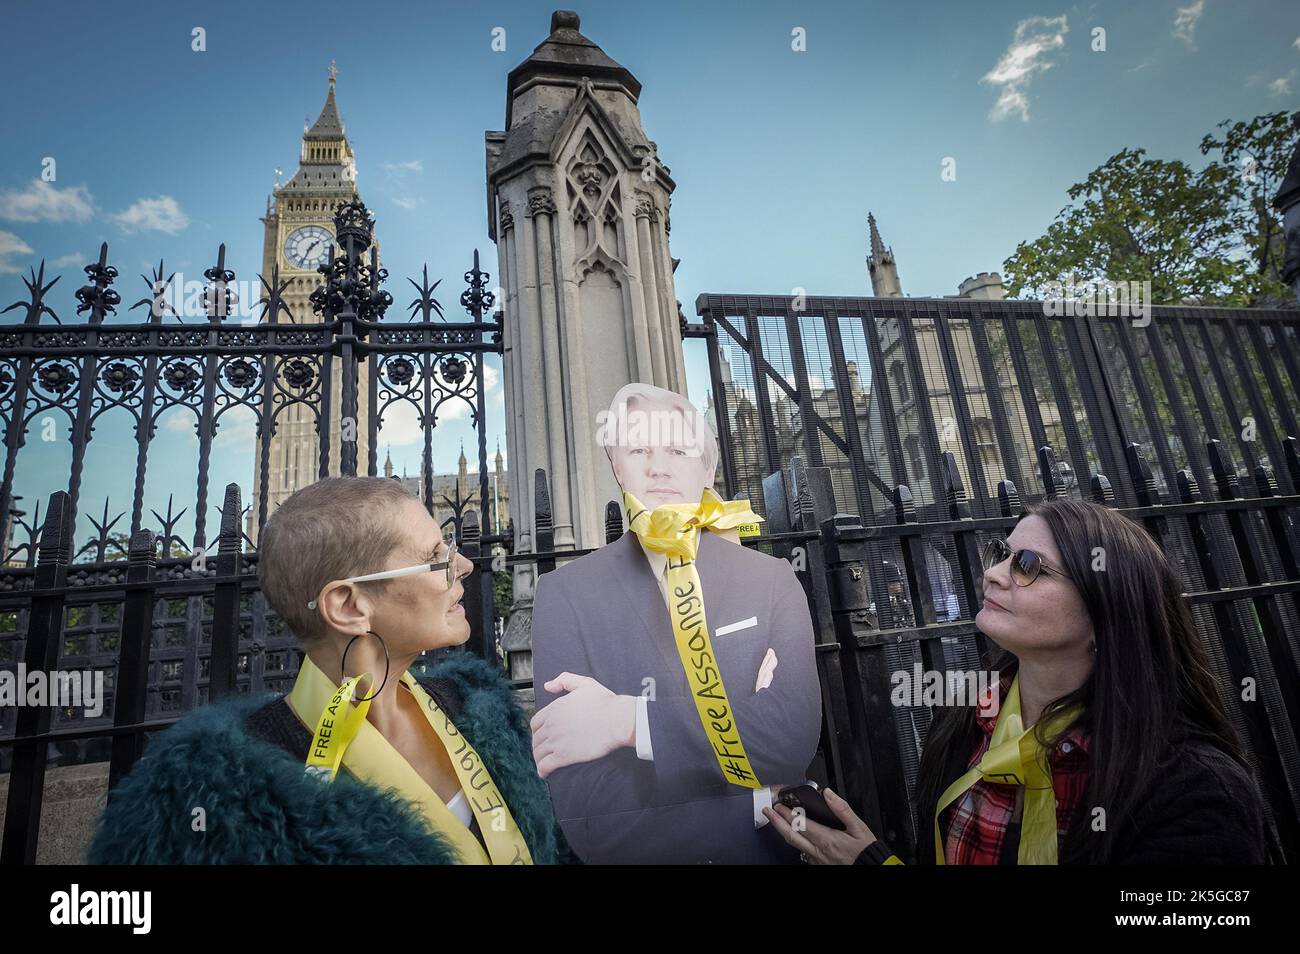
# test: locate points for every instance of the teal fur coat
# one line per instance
(260, 807)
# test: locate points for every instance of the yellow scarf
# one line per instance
(1015, 757)
(342, 735)
(673, 530)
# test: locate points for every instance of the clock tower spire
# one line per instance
(297, 235)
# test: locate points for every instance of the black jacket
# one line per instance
(1204, 808)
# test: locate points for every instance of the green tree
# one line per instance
(1139, 219)
(1255, 155)
(1210, 236)
(503, 592)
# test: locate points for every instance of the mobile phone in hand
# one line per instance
(813, 804)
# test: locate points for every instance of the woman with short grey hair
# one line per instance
(370, 757)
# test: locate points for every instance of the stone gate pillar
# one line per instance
(578, 206)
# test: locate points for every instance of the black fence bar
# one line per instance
(44, 630)
(1159, 439)
(478, 590)
(1001, 418)
(1286, 667)
(131, 687)
(1024, 378)
(1086, 383)
(224, 660)
(1064, 400)
(1188, 436)
(1268, 741)
(967, 438)
(723, 411)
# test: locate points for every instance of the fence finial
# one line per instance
(1223, 468)
(1144, 482)
(1049, 472)
(1102, 492)
(1008, 499)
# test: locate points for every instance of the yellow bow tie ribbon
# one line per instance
(1016, 757)
(673, 530)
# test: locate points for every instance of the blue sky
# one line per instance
(778, 155)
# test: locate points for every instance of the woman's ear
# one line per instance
(342, 607)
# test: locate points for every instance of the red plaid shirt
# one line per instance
(977, 825)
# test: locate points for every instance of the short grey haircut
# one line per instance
(330, 530)
(649, 393)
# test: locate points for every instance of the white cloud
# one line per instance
(42, 202)
(1282, 85)
(1185, 22)
(11, 244)
(1296, 44)
(161, 214)
(1034, 41)
(67, 261)
(179, 422)
(237, 428)
(398, 185)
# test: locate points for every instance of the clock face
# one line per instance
(308, 247)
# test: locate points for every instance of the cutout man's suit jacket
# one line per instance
(603, 615)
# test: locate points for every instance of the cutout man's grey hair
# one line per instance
(648, 393)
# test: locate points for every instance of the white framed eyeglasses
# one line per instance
(449, 565)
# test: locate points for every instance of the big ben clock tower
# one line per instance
(299, 229)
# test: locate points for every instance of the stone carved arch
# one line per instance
(595, 198)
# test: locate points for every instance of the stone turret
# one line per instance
(578, 205)
(986, 286)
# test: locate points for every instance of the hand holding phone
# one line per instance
(813, 804)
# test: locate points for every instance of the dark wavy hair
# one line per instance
(1150, 688)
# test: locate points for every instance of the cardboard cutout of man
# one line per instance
(659, 748)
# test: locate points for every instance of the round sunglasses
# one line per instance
(1025, 564)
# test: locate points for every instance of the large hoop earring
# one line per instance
(343, 667)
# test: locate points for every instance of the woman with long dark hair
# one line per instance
(1110, 743)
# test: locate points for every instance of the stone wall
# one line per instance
(75, 796)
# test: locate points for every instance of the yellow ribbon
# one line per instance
(1016, 757)
(378, 762)
(673, 530)
(336, 728)
(504, 841)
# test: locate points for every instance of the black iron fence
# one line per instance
(169, 637)
(331, 379)
(171, 620)
(935, 421)
(882, 440)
